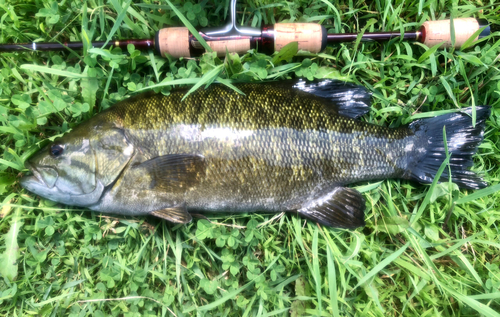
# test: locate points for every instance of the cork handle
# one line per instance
(435, 32)
(309, 36)
(173, 41)
(233, 46)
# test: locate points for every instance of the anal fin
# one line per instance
(177, 214)
(341, 208)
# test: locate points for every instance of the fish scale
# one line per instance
(280, 147)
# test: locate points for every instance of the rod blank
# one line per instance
(311, 37)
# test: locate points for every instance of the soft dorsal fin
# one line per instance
(174, 172)
(343, 207)
(347, 99)
(177, 214)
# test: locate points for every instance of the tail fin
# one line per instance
(463, 140)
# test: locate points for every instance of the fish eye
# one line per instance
(56, 150)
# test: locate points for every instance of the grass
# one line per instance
(426, 250)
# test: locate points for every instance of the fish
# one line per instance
(291, 146)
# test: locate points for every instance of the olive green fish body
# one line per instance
(275, 149)
(260, 152)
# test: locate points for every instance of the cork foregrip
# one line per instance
(308, 36)
(174, 41)
(436, 32)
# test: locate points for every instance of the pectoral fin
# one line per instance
(341, 208)
(174, 172)
(177, 214)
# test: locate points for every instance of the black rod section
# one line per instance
(139, 44)
(373, 36)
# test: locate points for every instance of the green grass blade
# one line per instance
(190, 27)
(153, 64)
(469, 267)
(388, 260)
(206, 79)
(108, 81)
(280, 312)
(464, 75)
(250, 306)
(429, 114)
(412, 269)
(52, 71)
(474, 60)
(10, 130)
(416, 290)
(337, 15)
(416, 243)
(487, 242)
(427, 198)
(315, 273)
(105, 53)
(119, 18)
(428, 53)
(186, 81)
(52, 299)
(289, 280)
(469, 42)
(18, 76)
(178, 260)
(8, 259)
(15, 166)
(472, 303)
(369, 187)
(228, 84)
(332, 283)
(486, 296)
(449, 90)
(453, 247)
(452, 31)
(298, 234)
(358, 40)
(32, 150)
(479, 194)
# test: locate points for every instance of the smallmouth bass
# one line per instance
(288, 146)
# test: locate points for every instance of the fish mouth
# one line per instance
(36, 177)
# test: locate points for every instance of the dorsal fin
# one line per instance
(347, 99)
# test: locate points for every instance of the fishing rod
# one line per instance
(178, 42)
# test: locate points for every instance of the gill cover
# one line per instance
(112, 153)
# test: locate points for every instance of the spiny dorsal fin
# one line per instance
(341, 208)
(177, 214)
(346, 99)
(175, 172)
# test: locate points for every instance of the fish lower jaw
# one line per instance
(36, 186)
(35, 174)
